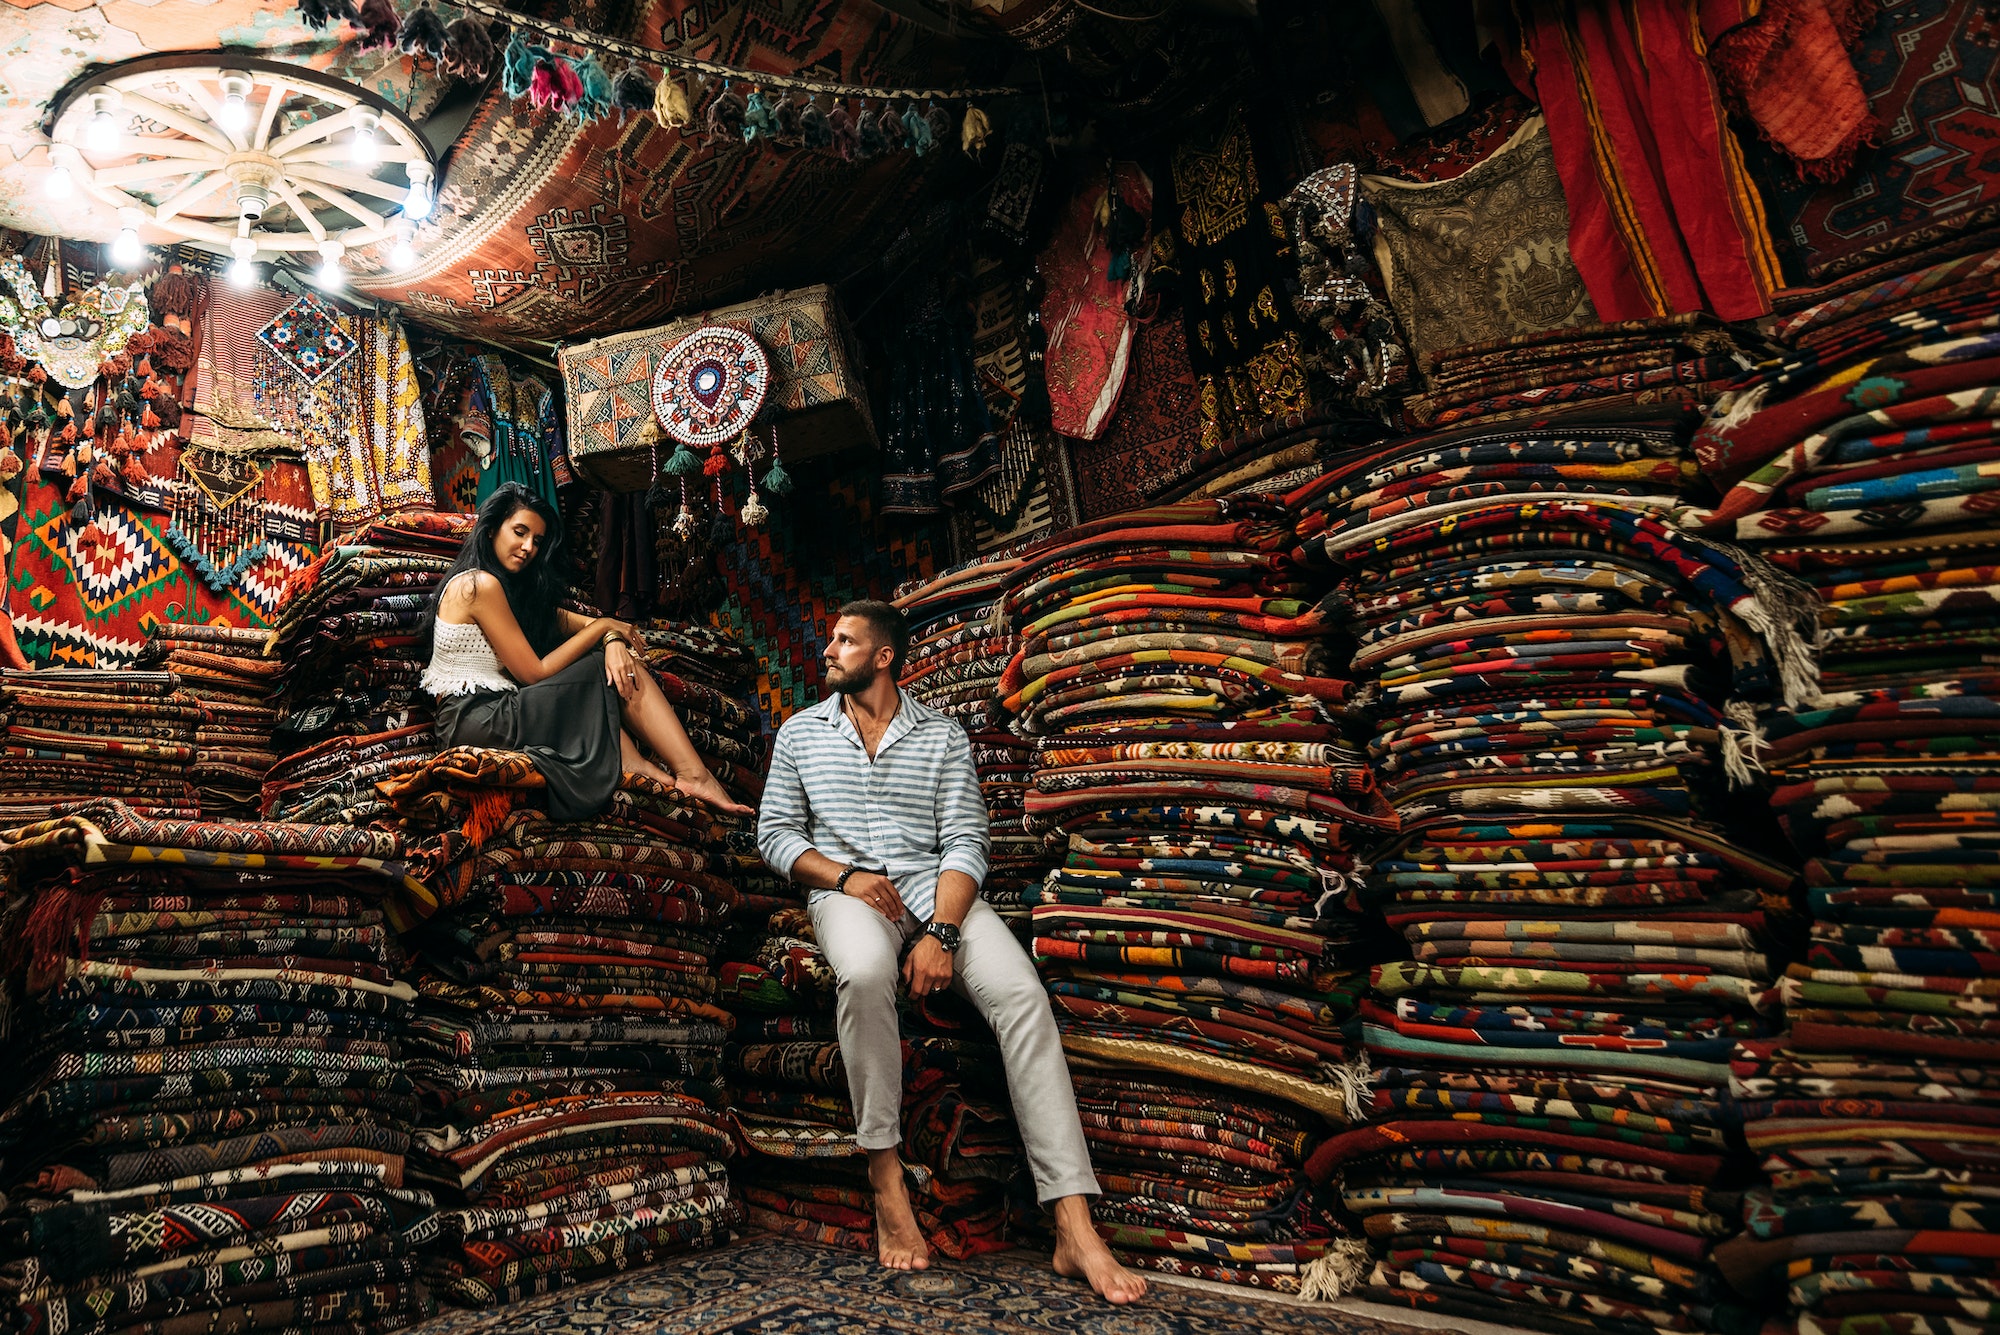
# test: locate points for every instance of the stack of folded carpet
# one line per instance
(574, 1125)
(231, 672)
(71, 734)
(957, 655)
(349, 633)
(1551, 670)
(1199, 939)
(1861, 467)
(208, 1119)
(1679, 361)
(333, 782)
(805, 1177)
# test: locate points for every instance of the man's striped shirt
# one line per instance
(915, 809)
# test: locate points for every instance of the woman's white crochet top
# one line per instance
(462, 661)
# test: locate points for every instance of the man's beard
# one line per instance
(843, 682)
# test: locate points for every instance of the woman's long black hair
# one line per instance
(536, 593)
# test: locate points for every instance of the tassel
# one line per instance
(468, 48)
(685, 462)
(149, 419)
(785, 121)
(869, 142)
(594, 95)
(842, 136)
(554, 86)
(716, 464)
(79, 488)
(778, 482)
(718, 528)
(754, 514)
(423, 33)
(725, 114)
(814, 129)
(670, 104)
(316, 14)
(939, 121)
(918, 129)
(490, 809)
(380, 27)
(894, 133)
(756, 117)
(518, 69)
(632, 94)
(974, 131)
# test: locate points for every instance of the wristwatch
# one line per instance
(947, 935)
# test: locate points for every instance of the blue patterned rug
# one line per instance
(775, 1286)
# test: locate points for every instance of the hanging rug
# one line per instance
(309, 339)
(710, 385)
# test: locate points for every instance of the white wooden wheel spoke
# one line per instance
(242, 155)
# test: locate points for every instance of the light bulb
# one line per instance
(102, 134)
(417, 204)
(59, 184)
(242, 272)
(126, 252)
(402, 255)
(331, 275)
(365, 151)
(234, 113)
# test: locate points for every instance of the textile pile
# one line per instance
(1859, 465)
(349, 633)
(72, 734)
(956, 660)
(1548, 668)
(804, 1175)
(568, 1044)
(210, 1119)
(1197, 938)
(1679, 361)
(231, 674)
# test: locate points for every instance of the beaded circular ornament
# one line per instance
(710, 385)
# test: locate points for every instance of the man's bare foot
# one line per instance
(1081, 1254)
(705, 788)
(898, 1241)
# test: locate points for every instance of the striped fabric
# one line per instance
(915, 809)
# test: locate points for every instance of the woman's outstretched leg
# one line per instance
(652, 716)
(635, 762)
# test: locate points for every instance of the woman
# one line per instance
(512, 669)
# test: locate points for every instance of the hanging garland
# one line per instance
(581, 87)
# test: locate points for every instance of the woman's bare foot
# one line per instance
(705, 788)
(898, 1241)
(641, 765)
(1081, 1254)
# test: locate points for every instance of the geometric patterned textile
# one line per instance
(824, 545)
(1931, 70)
(309, 339)
(86, 594)
(773, 1284)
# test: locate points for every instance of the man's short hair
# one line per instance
(891, 627)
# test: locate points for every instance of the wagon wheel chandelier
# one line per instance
(249, 158)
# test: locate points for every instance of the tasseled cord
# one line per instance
(633, 94)
(670, 104)
(974, 131)
(424, 34)
(595, 98)
(468, 48)
(316, 14)
(517, 69)
(554, 85)
(380, 25)
(685, 462)
(756, 116)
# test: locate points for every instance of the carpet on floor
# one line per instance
(777, 1286)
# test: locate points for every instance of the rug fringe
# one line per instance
(1341, 1271)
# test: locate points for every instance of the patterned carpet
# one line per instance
(774, 1286)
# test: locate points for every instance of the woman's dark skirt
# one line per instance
(568, 725)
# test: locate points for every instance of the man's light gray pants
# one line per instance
(994, 974)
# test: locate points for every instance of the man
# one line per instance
(873, 802)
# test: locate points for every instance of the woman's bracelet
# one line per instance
(611, 635)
